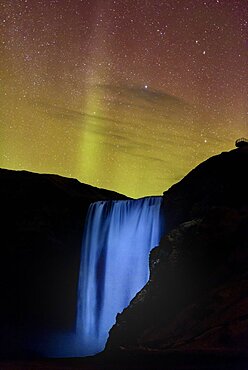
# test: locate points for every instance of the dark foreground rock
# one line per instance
(40, 244)
(196, 300)
(139, 360)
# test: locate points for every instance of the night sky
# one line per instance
(127, 95)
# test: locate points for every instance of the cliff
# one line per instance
(196, 300)
(40, 244)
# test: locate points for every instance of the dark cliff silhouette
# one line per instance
(40, 247)
(196, 298)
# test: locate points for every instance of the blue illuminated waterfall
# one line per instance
(114, 266)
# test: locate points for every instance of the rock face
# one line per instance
(217, 182)
(40, 245)
(197, 295)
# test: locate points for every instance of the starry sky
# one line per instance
(128, 95)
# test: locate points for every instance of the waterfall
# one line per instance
(114, 265)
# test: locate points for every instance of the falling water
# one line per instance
(114, 266)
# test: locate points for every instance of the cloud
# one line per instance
(56, 111)
(119, 132)
(138, 97)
